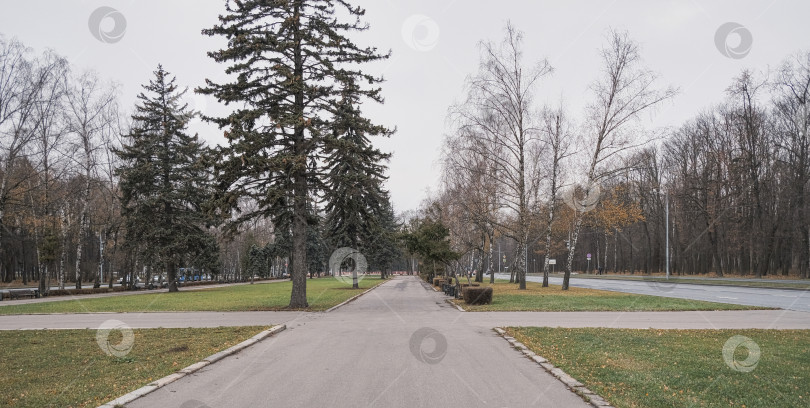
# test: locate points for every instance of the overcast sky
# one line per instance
(434, 45)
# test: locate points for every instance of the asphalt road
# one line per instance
(400, 345)
(788, 299)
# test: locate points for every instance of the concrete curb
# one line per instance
(154, 385)
(351, 299)
(450, 301)
(570, 382)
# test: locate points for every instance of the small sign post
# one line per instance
(589, 262)
(552, 262)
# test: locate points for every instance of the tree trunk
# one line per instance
(171, 273)
(63, 255)
(298, 297)
(573, 245)
(83, 221)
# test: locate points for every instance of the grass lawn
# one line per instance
(507, 297)
(67, 368)
(322, 294)
(678, 368)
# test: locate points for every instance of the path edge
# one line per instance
(570, 382)
(353, 298)
(450, 301)
(154, 385)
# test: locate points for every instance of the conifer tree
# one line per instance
(384, 245)
(354, 195)
(164, 179)
(286, 61)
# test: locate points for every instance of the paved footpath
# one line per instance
(742, 319)
(378, 351)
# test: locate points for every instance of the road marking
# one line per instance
(726, 297)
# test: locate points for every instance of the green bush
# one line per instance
(477, 295)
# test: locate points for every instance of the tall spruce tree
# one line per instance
(164, 179)
(384, 247)
(354, 195)
(286, 61)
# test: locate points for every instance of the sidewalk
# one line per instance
(397, 346)
(745, 319)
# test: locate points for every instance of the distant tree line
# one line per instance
(87, 189)
(541, 184)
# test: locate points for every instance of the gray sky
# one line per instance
(434, 44)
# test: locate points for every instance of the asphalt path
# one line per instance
(400, 345)
(727, 319)
(788, 299)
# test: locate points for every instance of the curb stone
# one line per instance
(154, 385)
(570, 382)
(450, 301)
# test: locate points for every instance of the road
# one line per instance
(788, 299)
(400, 345)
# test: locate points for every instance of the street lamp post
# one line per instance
(666, 195)
(499, 256)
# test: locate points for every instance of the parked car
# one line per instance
(124, 280)
(158, 282)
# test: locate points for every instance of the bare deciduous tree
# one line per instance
(91, 112)
(625, 91)
(497, 115)
(557, 135)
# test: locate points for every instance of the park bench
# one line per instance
(23, 293)
(449, 289)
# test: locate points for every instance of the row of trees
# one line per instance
(541, 183)
(296, 139)
(57, 184)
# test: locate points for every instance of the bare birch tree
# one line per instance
(557, 135)
(46, 147)
(19, 89)
(625, 90)
(497, 113)
(90, 113)
(469, 178)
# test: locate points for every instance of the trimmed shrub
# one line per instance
(477, 295)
